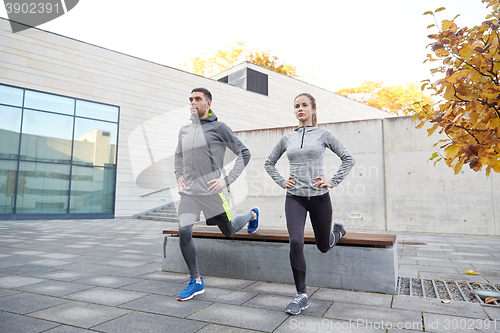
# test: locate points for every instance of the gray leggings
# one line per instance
(188, 248)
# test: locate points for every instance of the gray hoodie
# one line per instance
(305, 148)
(199, 156)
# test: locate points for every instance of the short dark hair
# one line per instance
(205, 92)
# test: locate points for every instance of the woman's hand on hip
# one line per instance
(322, 182)
(290, 183)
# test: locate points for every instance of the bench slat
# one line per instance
(360, 239)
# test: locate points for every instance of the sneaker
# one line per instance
(339, 227)
(338, 232)
(192, 289)
(253, 225)
(299, 303)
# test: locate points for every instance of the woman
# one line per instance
(307, 189)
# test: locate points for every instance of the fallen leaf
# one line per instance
(489, 300)
(470, 272)
(445, 301)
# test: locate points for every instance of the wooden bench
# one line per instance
(360, 261)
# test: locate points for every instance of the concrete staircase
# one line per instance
(166, 214)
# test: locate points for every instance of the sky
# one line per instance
(334, 44)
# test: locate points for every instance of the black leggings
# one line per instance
(320, 213)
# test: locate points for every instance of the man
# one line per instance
(199, 159)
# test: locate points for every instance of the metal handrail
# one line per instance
(158, 191)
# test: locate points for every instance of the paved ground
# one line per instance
(104, 276)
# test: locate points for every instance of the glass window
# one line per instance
(97, 111)
(43, 188)
(46, 137)
(8, 181)
(47, 102)
(46, 152)
(92, 190)
(10, 126)
(11, 96)
(95, 142)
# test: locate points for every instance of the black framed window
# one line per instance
(57, 157)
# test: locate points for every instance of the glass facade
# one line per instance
(57, 156)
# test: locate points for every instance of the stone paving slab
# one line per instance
(166, 305)
(357, 297)
(11, 323)
(131, 272)
(108, 281)
(80, 314)
(493, 313)
(54, 288)
(84, 267)
(20, 258)
(25, 303)
(8, 292)
(277, 288)
(436, 269)
(68, 329)
(90, 260)
(167, 277)
(308, 324)
(463, 309)
(106, 296)
(63, 275)
(453, 277)
(227, 296)
(125, 263)
(4, 264)
(58, 256)
(242, 317)
(11, 282)
(29, 253)
(220, 282)
(446, 323)
(278, 303)
(146, 322)
(156, 287)
(49, 262)
(355, 312)
(214, 328)
(27, 270)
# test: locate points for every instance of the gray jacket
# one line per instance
(305, 148)
(199, 156)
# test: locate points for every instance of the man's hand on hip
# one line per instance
(217, 184)
(181, 184)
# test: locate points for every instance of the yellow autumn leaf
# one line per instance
(451, 151)
(432, 129)
(471, 272)
(490, 300)
(473, 118)
(466, 53)
(495, 123)
(446, 24)
(450, 92)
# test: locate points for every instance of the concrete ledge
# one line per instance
(344, 267)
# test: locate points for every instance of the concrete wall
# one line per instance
(392, 186)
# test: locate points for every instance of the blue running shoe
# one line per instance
(253, 225)
(191, 290)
